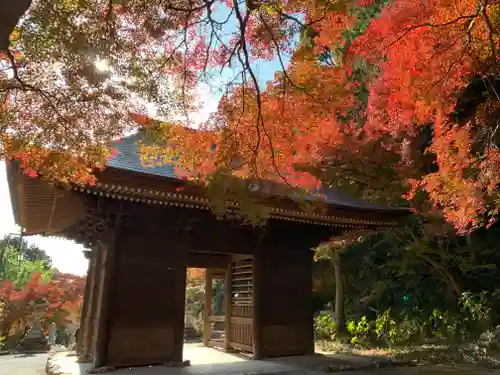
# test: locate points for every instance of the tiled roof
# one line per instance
(128, 158)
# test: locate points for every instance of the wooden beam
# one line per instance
(217, 318)
(207, 326)
(228, 303)
(206, 260)
(237, 257)
(187, 228)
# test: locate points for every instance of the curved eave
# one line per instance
(39, 207)
(152, 179)
(154, 188)
(16, 193)
(164, 197)
(353, 235)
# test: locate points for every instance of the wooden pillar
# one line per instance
(257, 304)
(146, 325)
(228, 304)
(207, 325)
(178, 340)
(85, 315)
(89, 349)
(101, 334)
(286, 273)
(339, 294)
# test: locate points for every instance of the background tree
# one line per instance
(14, 268)
(25, 284)
(29, 252)
(406, 275)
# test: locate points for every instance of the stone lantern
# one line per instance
(35, 339)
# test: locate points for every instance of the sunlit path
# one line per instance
(23, 364)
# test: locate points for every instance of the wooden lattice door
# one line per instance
(241, 331)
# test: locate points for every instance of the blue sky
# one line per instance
(209, 93)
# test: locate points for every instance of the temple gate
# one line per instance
(144, 231)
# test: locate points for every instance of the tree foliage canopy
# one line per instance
(385, 99)
(29, 252)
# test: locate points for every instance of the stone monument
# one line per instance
(52, 334)
(35, 339)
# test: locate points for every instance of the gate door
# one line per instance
(241, 332)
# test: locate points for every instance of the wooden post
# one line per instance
(207, 326)
(85, 319)
(89, 348)
(339, 293)
(179, 323)
(91, 284)
(105, 291)
(228, 304)
(257, 304)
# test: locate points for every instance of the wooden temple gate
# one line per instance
(144, 231)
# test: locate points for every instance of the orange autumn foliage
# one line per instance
(375, 99)
(421, 54)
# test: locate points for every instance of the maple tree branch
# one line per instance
(27, 87)
(246, 63)
(184, 76)
(187, 10)
(428, 24)
(24, 85)
(109, 11)
(285, 73)
(299, 22)
(260, 116)
(451, 65)
(289, 17)
(487, 21)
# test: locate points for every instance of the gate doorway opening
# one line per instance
(219, 307)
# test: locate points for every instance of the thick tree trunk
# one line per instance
(446, 276)
(339, 294)
(11, 12)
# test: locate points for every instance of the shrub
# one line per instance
(360, 331)
(325, 327)
(386, 328)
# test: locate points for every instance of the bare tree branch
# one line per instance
(487, 21)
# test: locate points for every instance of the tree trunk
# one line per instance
(446, 276)
(339, 294)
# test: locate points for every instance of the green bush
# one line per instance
(386, 328)
(471, 321)
(360, 331)
(325, 327)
